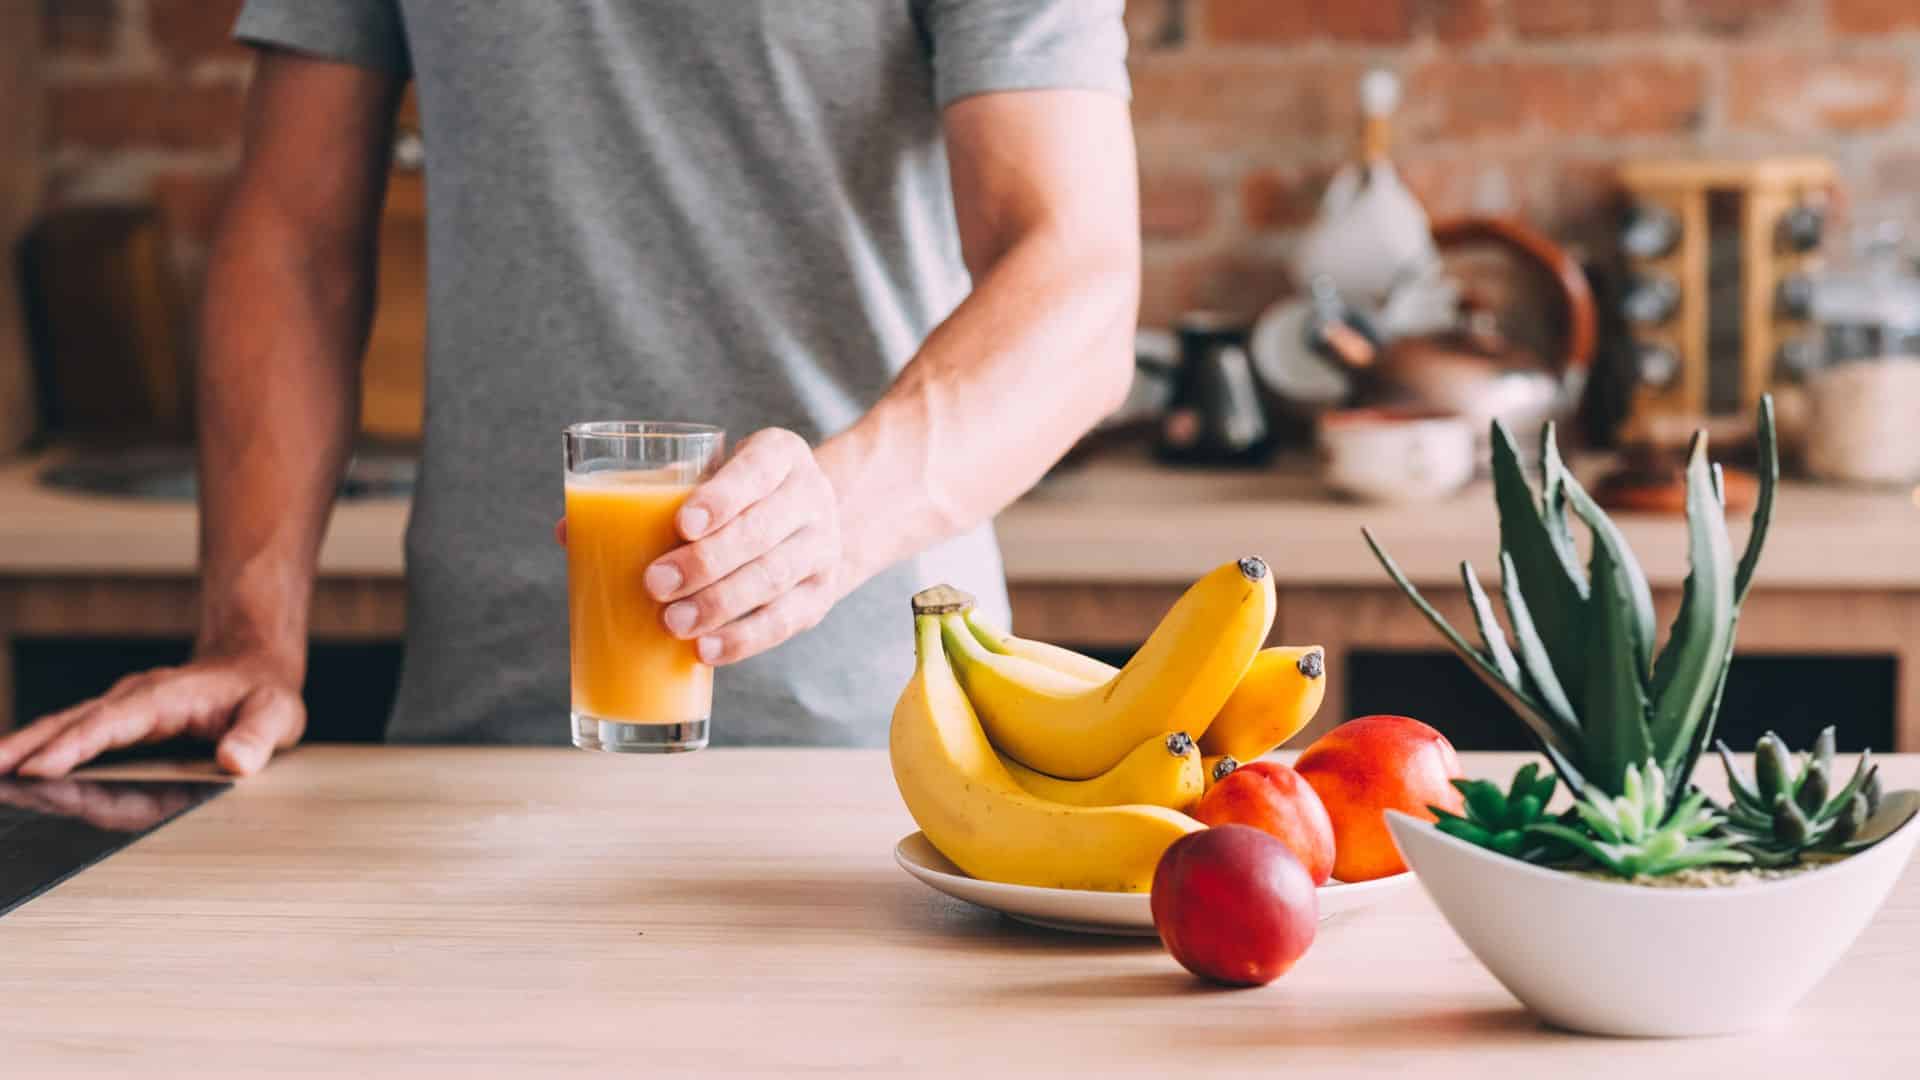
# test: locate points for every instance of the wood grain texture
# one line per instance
(519, 912)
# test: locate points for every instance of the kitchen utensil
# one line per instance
(1653, 480)
(1864, 422)
(1716, 253)
(20, 185)
(1082, 912)
(1370, 232)
(1305, 349)
(1217, 417)
(1396, 455)
(1474, 369)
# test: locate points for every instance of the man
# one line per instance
(734, 211)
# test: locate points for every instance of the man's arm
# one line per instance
(1046, 195)
(288, 305)
(1045, 191)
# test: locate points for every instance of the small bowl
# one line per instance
(1396, 455)
(1609, 958)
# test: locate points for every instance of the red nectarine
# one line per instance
(1233, 905)
(1368, 766)
(1274, 799)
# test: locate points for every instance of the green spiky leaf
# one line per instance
(1763, 506)
(1533, 655)
(1495, 640)
(1549, 575)
(1629, 590)
(1615, 734)
(1686, 676)
(1563, 755)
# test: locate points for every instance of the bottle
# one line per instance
(1649, 231)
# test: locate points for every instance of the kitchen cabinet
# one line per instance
(1094, 557)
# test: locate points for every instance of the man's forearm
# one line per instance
(282, 332)
(1039, 353)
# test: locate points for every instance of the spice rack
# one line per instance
(1668, 238)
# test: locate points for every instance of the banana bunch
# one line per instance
(1027, 763)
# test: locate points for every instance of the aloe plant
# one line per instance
(1499, 820)
(1636, 833)
(1781, 814)
(1580, 671)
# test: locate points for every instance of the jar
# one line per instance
(1863, 389)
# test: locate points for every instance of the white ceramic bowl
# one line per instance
(1396, 455)
(1614, 959)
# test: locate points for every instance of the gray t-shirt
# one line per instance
(731, 211)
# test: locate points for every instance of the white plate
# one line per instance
(1123, 914)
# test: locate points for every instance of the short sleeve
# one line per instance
(982, 46)
(365, 33)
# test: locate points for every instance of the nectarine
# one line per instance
(1368, 766)
(1233, 905)
(1274, 799)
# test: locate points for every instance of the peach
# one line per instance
(1274, 799)
(1233, 905)
(1368, 766)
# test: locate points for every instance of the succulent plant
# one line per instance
(1581, 671)
(1780, 814)
(1637, 833)
(1498, 820)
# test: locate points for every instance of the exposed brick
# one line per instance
(1457, 21)
(165, 116)
(1750, 16)
(1810, 94)
(1258, 21)
(1457, 185)
(1573, 18)
(1380, 21)
(1238, 284)
(1174, 204)
(1873, 16)
(1280, 21)
(1451, 99)
(188, 30)
(190, 202)
(1282, 198)
(81, 27)
(1230, 100)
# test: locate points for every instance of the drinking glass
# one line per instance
(637, 689)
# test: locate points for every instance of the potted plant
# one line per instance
(1762, 895)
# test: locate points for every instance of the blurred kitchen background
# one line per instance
(1370, 226)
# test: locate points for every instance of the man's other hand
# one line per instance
(245, 703)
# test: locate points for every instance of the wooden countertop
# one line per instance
(518, 912)
(1109, 521)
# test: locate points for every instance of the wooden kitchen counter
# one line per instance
(517, 912)
(1093, 557)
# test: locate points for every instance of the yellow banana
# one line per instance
(974, 813)
(1275, 699)
(1064, 661)
(1063, 726)
(1162, 771)
(1215, 768)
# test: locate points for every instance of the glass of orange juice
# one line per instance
(636, 687)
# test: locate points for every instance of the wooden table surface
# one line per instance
(492, 911)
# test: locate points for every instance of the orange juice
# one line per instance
(626, 667)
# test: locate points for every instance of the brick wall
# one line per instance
(1243, 108)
